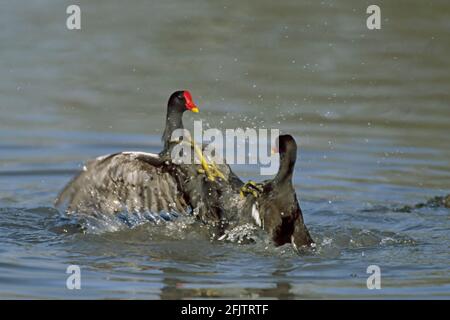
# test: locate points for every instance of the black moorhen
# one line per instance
(271, 205)
(133, 181)
(277, 210)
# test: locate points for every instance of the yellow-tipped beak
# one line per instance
(195, 110)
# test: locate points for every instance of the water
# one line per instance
(369, 110)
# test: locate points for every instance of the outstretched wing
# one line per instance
(131, 181)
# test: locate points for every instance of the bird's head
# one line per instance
(182, 101)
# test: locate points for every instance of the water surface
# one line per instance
(369, 109)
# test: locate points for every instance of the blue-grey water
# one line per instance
(369, 109)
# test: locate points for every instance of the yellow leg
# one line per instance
(210, 170)
(216, 170)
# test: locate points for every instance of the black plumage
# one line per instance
(274, 208)
(133, 181)
(144, 182)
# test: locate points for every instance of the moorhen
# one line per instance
(272, 205)
(138, 181)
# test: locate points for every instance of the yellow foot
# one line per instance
(251, 187)
(215, 171)
(210, 169)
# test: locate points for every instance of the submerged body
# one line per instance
(274, 207)
(146, 182)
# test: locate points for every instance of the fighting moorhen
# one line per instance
(137, 181)
(272, 205)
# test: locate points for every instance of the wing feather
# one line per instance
(135, 182)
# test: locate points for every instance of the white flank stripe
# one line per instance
(139, 153)
(255, 215)
(102, 157)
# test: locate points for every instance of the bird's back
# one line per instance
(127, 181)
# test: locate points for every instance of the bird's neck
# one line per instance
(174, 121)
(286, 171)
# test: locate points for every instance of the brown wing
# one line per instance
(124, 181)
